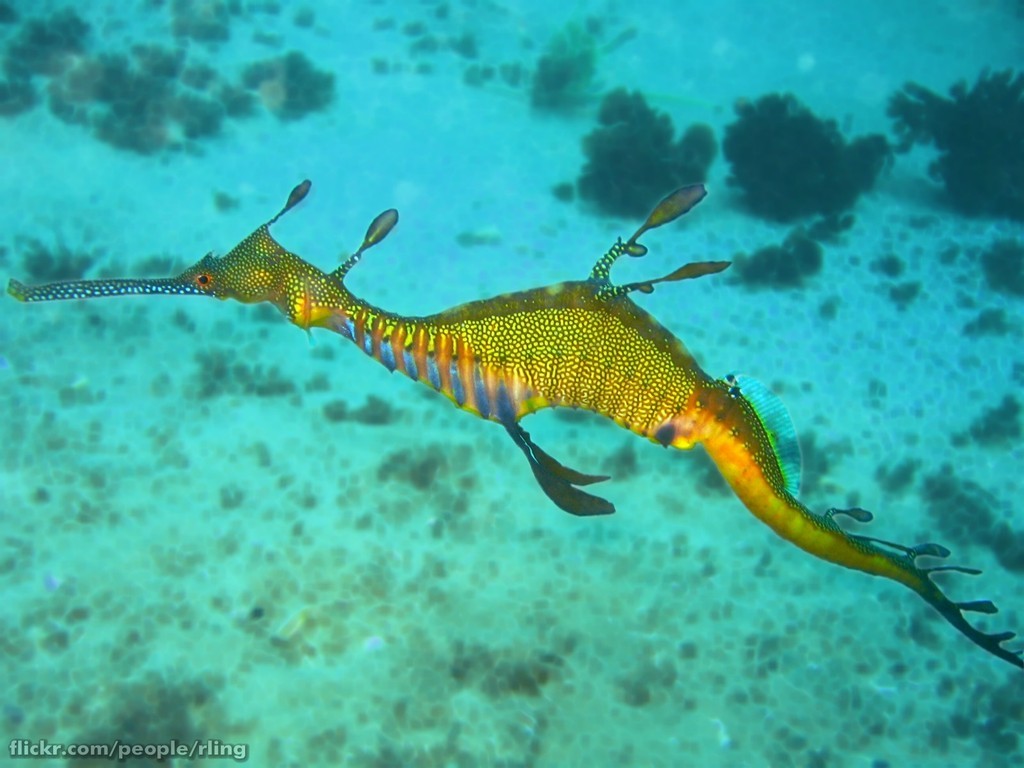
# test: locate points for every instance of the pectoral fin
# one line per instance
(559, 481)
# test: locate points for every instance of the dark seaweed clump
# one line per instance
(903, 294)
(376, 411)
(46, 46)
(781, 266)
(16, 95)
(895, 479)
(291, 87)
(633, 159)
(220, 373)
(44, 264)
(964, 511)
(789, 163)
(151, 98)
(43, 47)
(419, 470)
(565, 72)
(151, 712)
(499, 673)
(1003, 265)
(1000, 425)
(135, 102)
(207, 21)
(989, 322)
(143, 101)
(979, 134)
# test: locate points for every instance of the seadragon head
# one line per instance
(256, 270)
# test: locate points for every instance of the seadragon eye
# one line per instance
(204, 280)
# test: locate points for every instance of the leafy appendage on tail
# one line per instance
(951, 611)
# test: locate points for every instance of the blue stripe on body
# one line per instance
(505, 408)
(410, 365)
(387, 356)
(343, 326)
(482, 403)
(432, 373)
(457, 389)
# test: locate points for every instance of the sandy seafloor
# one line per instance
(182, 557)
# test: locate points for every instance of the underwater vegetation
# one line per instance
(633, 156)
(56, 263)
(152, 711)
(997, 426)
(442, 39)
(788, 265)
(978, 134)
(16, 95)
(565, 71)
(962, 507)
(1003, 266)
(376, 411)
(40, 47)
(564, 77)
(291, 87)
(149, 98)
(220, 372)
(788, 163)
(46, 46)
(989, 322)
(135, 102)
(202, 20)
(891, 267)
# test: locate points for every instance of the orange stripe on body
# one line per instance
(359, 337)
(523, 400)
(443, 358)
(376, 335)
(465, 365)
(490, 377)
(398, 348)
(420, 339)
(490, 380)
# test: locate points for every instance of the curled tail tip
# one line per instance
(922, 583)
(954, 614)
(988, 641)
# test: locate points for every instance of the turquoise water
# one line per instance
(218, 530)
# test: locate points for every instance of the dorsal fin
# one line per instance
(776, 422)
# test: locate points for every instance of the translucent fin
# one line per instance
(777, 423)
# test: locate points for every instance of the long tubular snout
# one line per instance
(96, 289)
